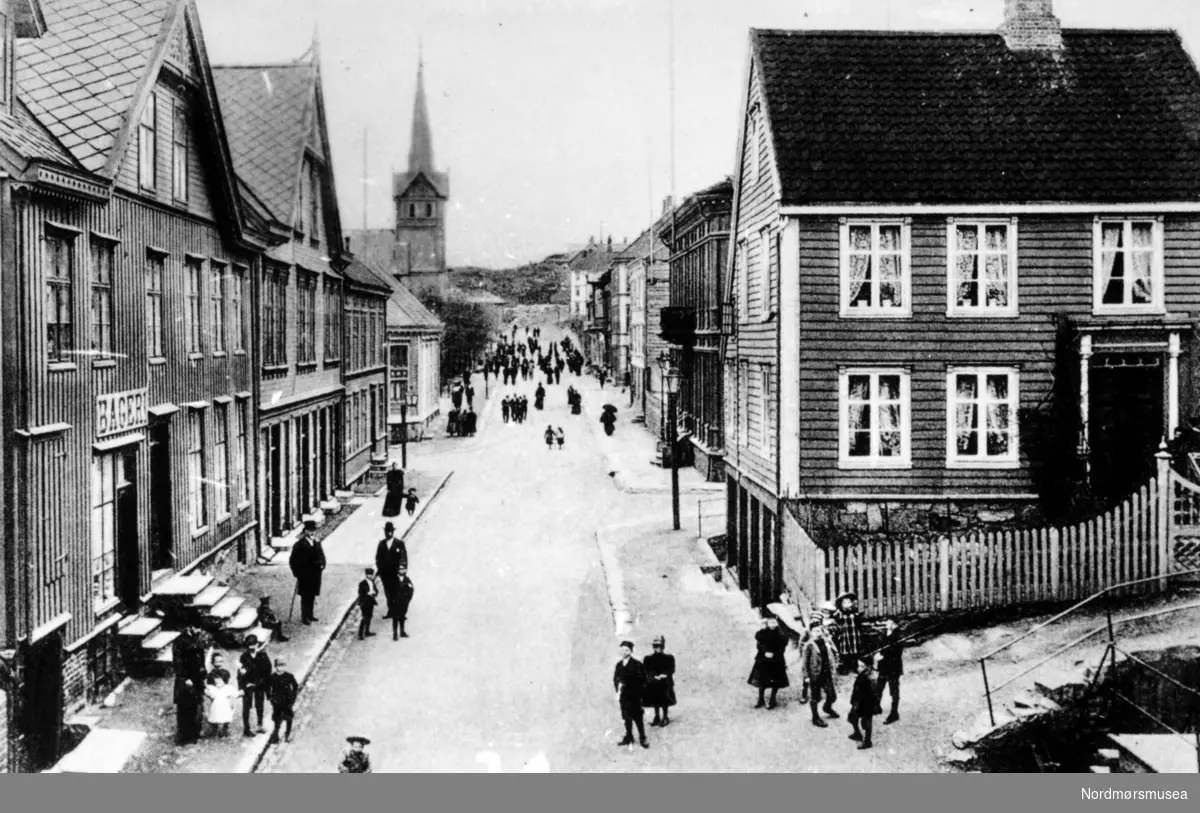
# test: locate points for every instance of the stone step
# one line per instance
(243, 621)
(159, 641)
(331, 506)
(282, 543)
(227, 607)
(261, 634)
(209, 596)
(140, 627)
(183, 587)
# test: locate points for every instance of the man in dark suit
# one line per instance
(368, 597)
(404, 595)
(307, 562)
(191, 674)
(390, 554)
(891, 667)
(254, 670)
(629, 679)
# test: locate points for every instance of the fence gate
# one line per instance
(1185, 526)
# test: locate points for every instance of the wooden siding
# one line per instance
(51, 485)
(1054, 272)
(756, 338)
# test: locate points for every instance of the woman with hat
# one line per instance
(395, 492)
(659, 693)
(356, 759)
(770, 671)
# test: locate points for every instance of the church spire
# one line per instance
(420, 153)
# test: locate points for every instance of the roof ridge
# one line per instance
(966, 32)
(262, 66)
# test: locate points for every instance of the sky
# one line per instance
(553, 117)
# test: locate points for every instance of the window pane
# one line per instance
(1143, 235)
(997, 238)
(968, 276)
(860, 444)
(1112, 235)
(889, 238)
(858, 417)
(967, 443)
(968, 238)
(889, 388)
(859, 387)
(997, 281)
(997, 387)
(998, 444)
(966, 417)
(860, 238)
(998, 417)
(860, 281)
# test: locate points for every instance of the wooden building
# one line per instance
(648, 293)
(128, 377)
(275, 119)
(365, 371)
(698, 235)
(941, 241)
(414, 338)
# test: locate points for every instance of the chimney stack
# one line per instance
(1030, 25)
(610, 244)
(668, 204)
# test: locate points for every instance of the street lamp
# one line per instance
(671, 380)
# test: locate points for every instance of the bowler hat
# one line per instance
(310, 525)
(264, 600)
(387, 526)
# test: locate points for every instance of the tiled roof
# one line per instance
(362, 273)
(20, 132)
(264, 111)
(79, 78)
(595, 257)
(959, 118)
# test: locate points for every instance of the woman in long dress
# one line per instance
(395, 492)
(770, 671)
(659, 693)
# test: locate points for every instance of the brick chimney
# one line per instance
(1030, 25)
(668, 204)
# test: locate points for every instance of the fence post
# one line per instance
(1054, 565)
(1166, 499)
(944, 572)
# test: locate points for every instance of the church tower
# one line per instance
(421, 194)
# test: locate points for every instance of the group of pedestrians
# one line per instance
(834, 642)
(391, 568)
(640, 685)
(514, 408)
(554, 435)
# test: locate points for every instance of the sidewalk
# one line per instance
(147, 704)
(629, 453)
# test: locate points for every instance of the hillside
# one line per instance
(533, 284)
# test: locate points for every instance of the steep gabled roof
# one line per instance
(266, 109)
(81, 78)
(877, 117)
(406, 311)
(362, 274)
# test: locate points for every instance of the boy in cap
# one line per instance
(283, 689)
(356, 759)
(404, 596)
(862, 705)
(254, 671)
(629, 680)
(269, 621)
(368, 597)
(891, 667)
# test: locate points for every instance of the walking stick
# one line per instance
(292, 611)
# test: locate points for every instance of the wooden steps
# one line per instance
(210, 596)
(159, 641)
(139, 627)
(226, 608)
(243, 621)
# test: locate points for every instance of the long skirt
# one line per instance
(659, 693)
(767, 674)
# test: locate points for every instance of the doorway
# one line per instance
(304, 451)
(1127, 421)
(42, 706)
(162, 538)
(275, 479)
(128, 554)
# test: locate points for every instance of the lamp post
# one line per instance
(671, 380)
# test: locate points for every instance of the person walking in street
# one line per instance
(891, 667)
(539, 397)
(269, 621)
(505, 407)
(862, 705)
(469, 421)
(849, 632)
(356, 760)
(283, 691)
(254, 671)
(390, 555)
(609, 419)
(629, 681)
(404, 597)
(456, 395)
(470, 392)
(395, 491)
(659, 693)
(770, 671)
(308, 563)
(410, 501)
(190, 654)
(817, 661)
(549, 437)
(368, 597)
(560, 438)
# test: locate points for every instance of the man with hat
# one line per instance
(390, 554)
(254, 670)
(368, 597)
(629, 680)
(849, 634)
(356, 759)
(269, 621)
(404, 595)
(307, 562)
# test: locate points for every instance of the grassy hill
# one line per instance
(533, 284)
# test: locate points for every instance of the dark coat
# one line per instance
(254, 670)
(892, 663)
(307, 562)
(367, 595)
(282, 689)
(355, 762)
(190, 670)
(659, 692)
(770, 671)
(862, 696)
(818, 669)
(389, 555)
(629, 681)
(395, 493)
(404, 592)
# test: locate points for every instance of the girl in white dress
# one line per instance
(220, 711)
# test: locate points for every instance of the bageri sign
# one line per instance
(121, 412)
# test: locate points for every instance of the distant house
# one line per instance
(646, 261)
(932, 229)
(590, 267)
(414, 338)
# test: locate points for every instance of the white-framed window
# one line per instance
(766, 435)
(221, 481)
(217, 300)
(740, 402)
(876, 278)
(875, 407)
(743, 278)
(1128, 266)
(148, 144)
(103, 260)
(981, 417)
(982, 268)
(193, 270)
(154, 303)
(753, 142)
(59, 267)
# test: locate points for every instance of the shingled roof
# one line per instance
(265, 108)
(877, 117)
(80, 77)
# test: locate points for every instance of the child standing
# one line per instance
(283, 690)
(220, 711)
(410, 501)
